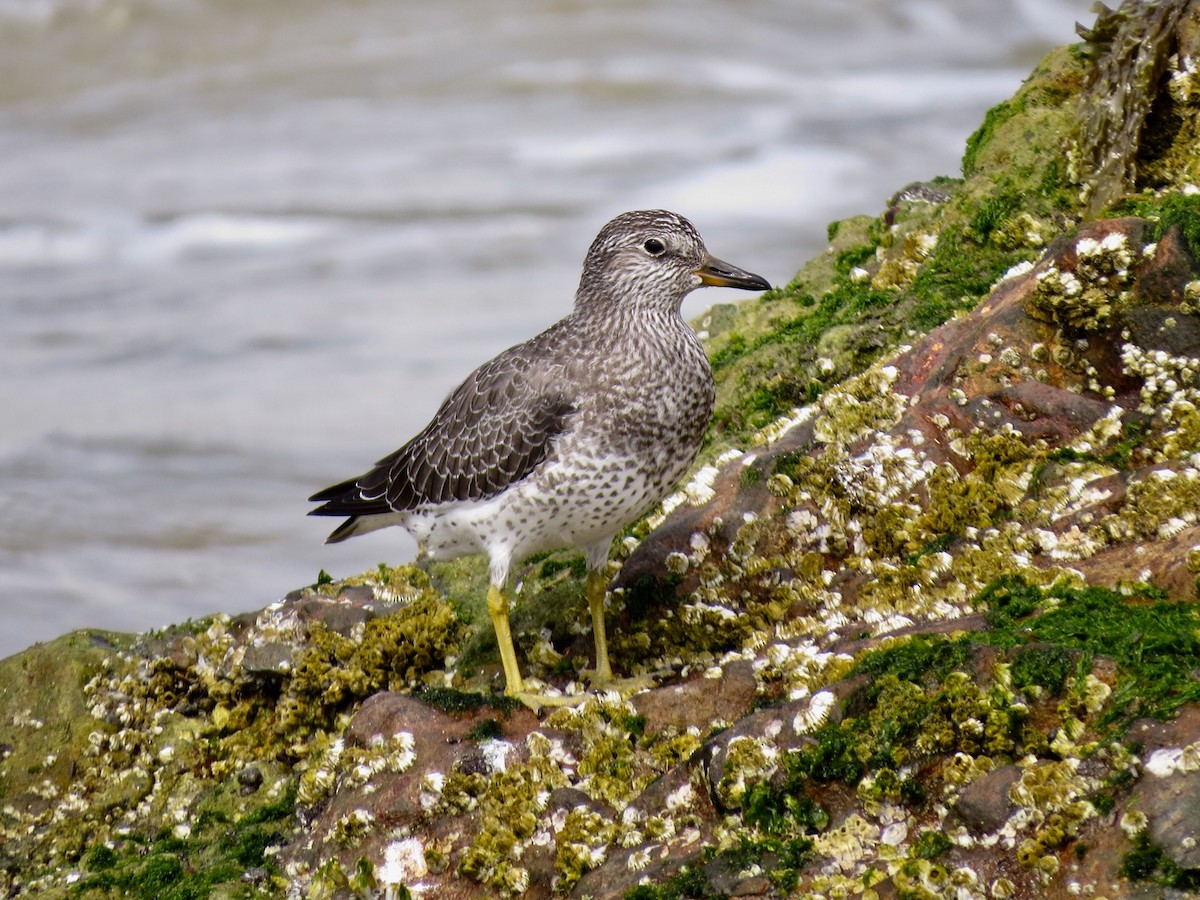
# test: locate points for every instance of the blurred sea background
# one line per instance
(247, 246)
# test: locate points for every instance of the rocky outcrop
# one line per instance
(924, 623)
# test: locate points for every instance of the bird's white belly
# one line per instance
(583, 507)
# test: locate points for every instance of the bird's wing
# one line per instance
(488, 434)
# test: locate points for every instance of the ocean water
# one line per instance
(246, 247)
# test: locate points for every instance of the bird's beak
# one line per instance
(718, 273)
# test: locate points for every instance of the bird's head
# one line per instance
(653, 259)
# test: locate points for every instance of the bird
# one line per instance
(565, 439)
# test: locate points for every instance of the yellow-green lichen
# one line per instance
(581, 845)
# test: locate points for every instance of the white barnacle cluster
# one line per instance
(748, 760)
(278, 623)
(700, 489)
(638, 859)
(1075, 495)
(1105, 259)
(819, 707)
(887, 620)
(1190, 303)
(1089, 692)
(923, 243)
(849, 848)
(772, 432)
(583, 838)
(1049, 785)
(1173, 525)
(1162, 504)
(1133, 822)
(394, 754)
(1020, 269)
(430, 793)
(1182, 83)
(885, 473)
(1011, 357)
(495, 753)
(542, 652)
(25, 718)
(1097, 438)
(404, 864)
(860, 407)
(676, 562)
(1086, 297)
(1023, 230)
(696, 492)
(317, 781)
(799, 666)
(652, 831)
(706, 613)
(1054, 282)
(350, 829)
(681, 798)
(1051, 796)
(962, 769)
(802, 523)
(656, 832)
(900, 264)
(388, 592)
(1170, 384)
(551, 753)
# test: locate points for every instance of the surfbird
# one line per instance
(565, 439)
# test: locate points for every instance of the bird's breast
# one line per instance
(653, 398)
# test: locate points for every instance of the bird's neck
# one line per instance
(633, 308)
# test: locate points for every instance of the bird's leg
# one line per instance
(602, 677)
(497, 602)
(597, 586)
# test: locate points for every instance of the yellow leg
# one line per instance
(596, 588)
(497, 602)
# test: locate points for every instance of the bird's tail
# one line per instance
(347, 529)
(346, 499)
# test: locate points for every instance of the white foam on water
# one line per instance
(114, 238)
(772, 184)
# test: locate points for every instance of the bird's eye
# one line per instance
(654, 247)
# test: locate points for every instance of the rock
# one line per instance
(735, 884)
(1172, 806)
(440, 740)
(250, 779)
(1169, 794)
(351, 609)
(748, 750)
(984, 804)
(271, 658)
(702, 701)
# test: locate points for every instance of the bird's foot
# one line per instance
(604, 681)
(533, 697)
(537, 702)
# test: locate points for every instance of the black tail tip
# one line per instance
(345, 530)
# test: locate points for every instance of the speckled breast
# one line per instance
(633, 440)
